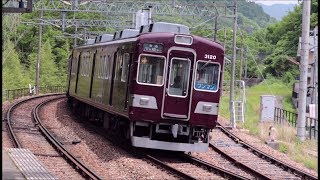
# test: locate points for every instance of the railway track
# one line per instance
(180, 164)
(26, 127)
(253, 160)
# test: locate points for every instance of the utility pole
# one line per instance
(149, 15)
(224, 38)
(233, 63)
(246, 64)
(75, 32)
(63, 26)
(301, 131)
(215, 28)
(315, 80)
(39, 51)
(241, 56)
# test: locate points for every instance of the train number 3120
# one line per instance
(209, 56)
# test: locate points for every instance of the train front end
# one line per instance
(175, 92)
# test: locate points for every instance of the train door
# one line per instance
(177, 95)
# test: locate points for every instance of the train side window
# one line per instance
(82, 59)
(207, 76)
(104, 67)
(97, 67)
(125, 67)
(101, 67)
(85, 64)
(74, 65)
(109, 66)
(150, 70)
(118, 66)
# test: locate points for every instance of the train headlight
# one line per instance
(206, 107)
(181, 39)
(144, 101)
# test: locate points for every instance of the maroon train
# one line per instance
(159, 86)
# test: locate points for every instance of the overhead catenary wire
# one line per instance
(5, 2)
(260, 71)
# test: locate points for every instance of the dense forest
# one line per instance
(270, 43)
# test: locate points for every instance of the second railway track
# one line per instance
(252, 160)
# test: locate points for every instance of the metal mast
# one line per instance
(301, 132)
(233, 64)
(38, 59)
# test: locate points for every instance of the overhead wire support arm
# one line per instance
(129, 7)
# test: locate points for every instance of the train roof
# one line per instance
(165, 27)
(152, 28)
(150, 31)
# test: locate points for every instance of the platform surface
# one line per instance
(22, 164)
(9, 169)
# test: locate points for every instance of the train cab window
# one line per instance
(179, 77)
(150, 70)
(207, 76)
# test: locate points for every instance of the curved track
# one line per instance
(80, 167)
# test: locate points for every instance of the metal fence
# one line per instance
(11, 94)
(282, 116)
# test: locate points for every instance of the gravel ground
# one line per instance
(107, 160)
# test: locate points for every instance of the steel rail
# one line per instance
(85, 171)
(285, 166)
(16, 142)
(225, 173)
(169, 168)
(238, 163)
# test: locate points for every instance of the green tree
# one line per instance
(13, 75)
(49, 72)
(284, 37)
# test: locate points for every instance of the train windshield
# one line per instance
(207, 76)
(150, 70)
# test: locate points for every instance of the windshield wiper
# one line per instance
(205, 65)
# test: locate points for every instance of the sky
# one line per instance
(271, 2)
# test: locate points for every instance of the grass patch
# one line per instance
(283, 148)
(253, 94)
(289, 143)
